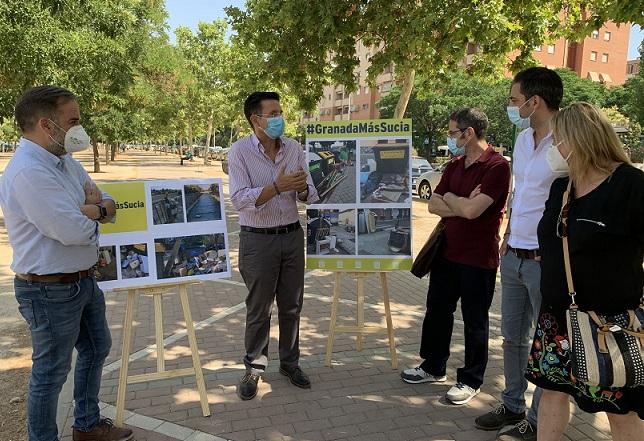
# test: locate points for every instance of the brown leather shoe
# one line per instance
(104, 431)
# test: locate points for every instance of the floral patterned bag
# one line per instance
(606, 350)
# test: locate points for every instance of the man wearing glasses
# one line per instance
(471, 198)
(268, 176)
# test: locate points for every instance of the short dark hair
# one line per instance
(38, 102)
(543, 82)
(253, 103)
(471, 117)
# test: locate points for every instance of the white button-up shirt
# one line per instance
(41, 195)
(532, 180)
(251, 170)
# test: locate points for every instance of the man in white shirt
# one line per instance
(535, 96)
(52, 209)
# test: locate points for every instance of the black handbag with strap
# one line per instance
(606, 350)
(428, 253)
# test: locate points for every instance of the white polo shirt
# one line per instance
(532, 181)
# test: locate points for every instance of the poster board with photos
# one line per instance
(166, 231)
(362, 172)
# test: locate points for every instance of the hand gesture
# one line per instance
(295, 181)
(475, 192)
(92, 194)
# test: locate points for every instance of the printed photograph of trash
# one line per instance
(384, 171)
(331, 232)
(134, 261)
(190, 255)
(105, 269)
(167, 206)
(332, 165)
(384, 231)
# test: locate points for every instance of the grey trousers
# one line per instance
(272, 267)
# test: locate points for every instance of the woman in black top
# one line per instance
(606, 242)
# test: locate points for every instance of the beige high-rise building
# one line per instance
(337, 104)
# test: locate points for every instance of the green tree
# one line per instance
(628, 98)
(430, 106)
(309, 44)
(629, 132)
(581, 89)
(91, 47)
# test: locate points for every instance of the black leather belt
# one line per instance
(273, 230)
(56, 278)
(525, 254)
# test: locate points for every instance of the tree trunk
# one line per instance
(405, 93)
(207, 146)
(97, 157)
(209, 131)
(107, 153)
(113, 152)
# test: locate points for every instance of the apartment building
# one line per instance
(338, 104)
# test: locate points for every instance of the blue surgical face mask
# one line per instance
(514, 115)
(454, 148)
(275, 127)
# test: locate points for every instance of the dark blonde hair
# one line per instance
(590, 137)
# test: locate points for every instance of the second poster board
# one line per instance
(165, 231)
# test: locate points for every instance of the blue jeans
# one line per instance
(61, 317)
(520, 304)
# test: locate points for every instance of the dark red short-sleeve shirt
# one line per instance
(475, 242)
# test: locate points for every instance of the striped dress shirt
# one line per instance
(251, 169)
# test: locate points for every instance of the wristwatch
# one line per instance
(103, 211)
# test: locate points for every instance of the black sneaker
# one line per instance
(522, 431)
(248, 386)
(498, 418)
(297, 377)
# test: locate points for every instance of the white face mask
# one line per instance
(558, 164)
(76, 138)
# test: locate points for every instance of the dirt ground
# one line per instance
(15, 367)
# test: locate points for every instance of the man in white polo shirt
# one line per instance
(535, 96)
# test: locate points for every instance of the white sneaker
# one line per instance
(418, 375)
(461, 393)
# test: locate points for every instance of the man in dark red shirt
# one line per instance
(471, 198)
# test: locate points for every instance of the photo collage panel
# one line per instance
(364, 186)
(186, 236)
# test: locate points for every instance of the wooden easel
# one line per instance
(360, 329)
(157, 292)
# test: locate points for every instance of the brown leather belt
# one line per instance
(525, 254)
(56, 278)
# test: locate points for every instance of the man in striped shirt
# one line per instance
(268, 176)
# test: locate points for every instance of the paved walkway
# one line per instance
(359, 398)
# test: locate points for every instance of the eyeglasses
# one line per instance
(454, 132)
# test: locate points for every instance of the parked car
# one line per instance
(426, 182)
(212, 151)
(419, 166)
(221, 154)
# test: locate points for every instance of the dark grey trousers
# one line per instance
(272, 267)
